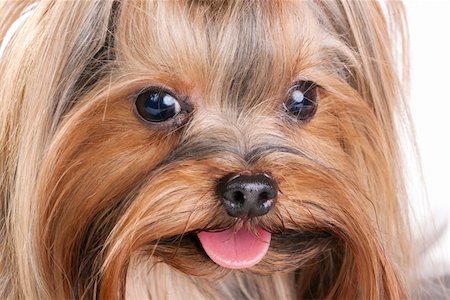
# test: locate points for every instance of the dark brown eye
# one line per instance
(157, 106)
(302, 101)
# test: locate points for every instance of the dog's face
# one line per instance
(224, 137)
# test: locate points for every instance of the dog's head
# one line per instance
(210, 136)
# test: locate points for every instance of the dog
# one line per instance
(204, 150)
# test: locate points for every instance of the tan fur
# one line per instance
(97, 204)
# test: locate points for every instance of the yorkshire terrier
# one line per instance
(203, 150)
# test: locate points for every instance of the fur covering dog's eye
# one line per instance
(157, 106)
(302, 101)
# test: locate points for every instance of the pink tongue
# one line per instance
(235, 250)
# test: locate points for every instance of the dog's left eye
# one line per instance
(157, 106)
(302, 101)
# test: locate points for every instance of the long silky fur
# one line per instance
(97, 204)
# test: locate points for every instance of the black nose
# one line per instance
(247, 195)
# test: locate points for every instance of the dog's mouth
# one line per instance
(244, 247)
(236, 248)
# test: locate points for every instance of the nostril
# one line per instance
(264, 196)
(239, 197)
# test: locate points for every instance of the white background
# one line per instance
(429, 26)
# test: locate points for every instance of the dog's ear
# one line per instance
(43, 66)
(373, 60)
(378, 36)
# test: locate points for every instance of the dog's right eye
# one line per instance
(157, 106)
(302, 100)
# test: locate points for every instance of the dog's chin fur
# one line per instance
(97, 203)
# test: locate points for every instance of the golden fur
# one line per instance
(97, 204)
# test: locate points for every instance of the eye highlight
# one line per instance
(157, 106)
(302, 101)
